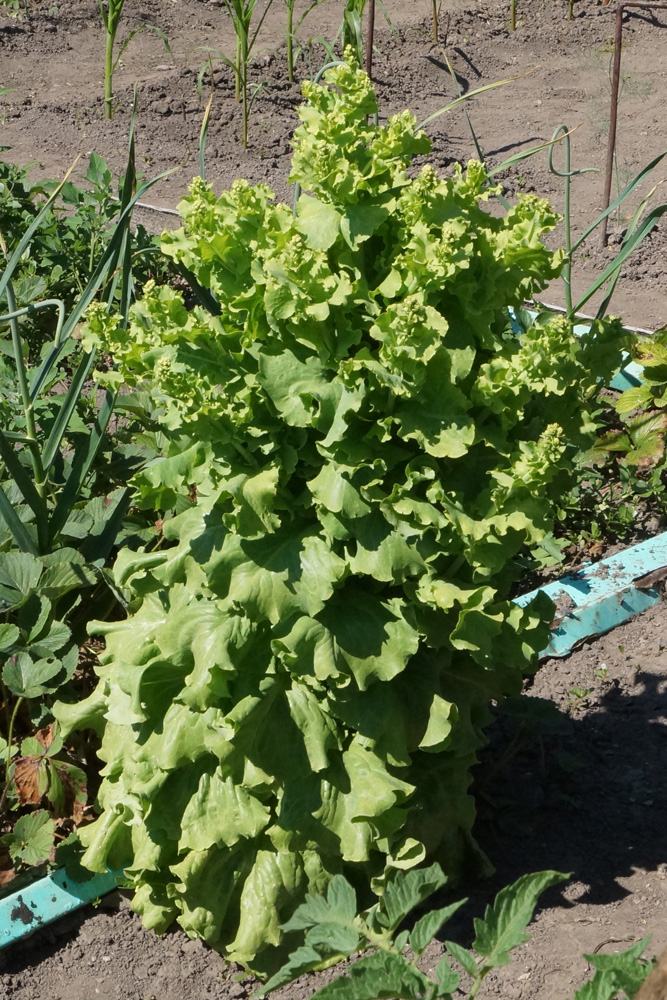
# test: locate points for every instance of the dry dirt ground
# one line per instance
(52, 64)
(587, 797)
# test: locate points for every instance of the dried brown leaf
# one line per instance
(29, 778)
(46, 736)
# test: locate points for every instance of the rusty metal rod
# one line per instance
(369, 40)
(615, 84)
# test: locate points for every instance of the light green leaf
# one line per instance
(370, 636)
(255, 498)
(292, 570)
(220, 814)
(361, 221)
(632, 399)
(319, 730)
(318, 221)
(206, 882)
(385, 555)
(274, 881)
(333, 490)
(292, 385)
(354, 634)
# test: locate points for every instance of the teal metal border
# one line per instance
(603, 594)
(48, 899)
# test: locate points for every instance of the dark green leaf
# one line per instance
(504, 923)
(28, 678)
(405, 890)
(445, 977)
(465, 959)
(428, 926)
(378, 976)
(31, 841)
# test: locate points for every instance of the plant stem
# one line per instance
(435, 21)
(512, 15)
(290, 40)
(567, 268)
(10, 736)
(108, 71)
(28, 409)
(237, 75)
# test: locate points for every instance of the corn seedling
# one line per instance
(110, 12)
(241, 12)
(351, 28)
(435, 11)
(49, 504)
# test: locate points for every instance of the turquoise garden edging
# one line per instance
(46, 900)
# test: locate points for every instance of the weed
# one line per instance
(334, 931)
(578, 696)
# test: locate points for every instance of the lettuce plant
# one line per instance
(359, 446)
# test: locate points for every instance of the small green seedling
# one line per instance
(577, 696)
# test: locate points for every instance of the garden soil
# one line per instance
(581, 790)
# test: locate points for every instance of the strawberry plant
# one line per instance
(63, 510)
(359, 447)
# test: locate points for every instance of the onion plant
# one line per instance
(49, 501)
(292, 31)
(59, 520)
(110, 12)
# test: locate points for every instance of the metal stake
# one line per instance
(369, 40)
(615, 84)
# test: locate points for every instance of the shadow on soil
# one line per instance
(579, 791)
